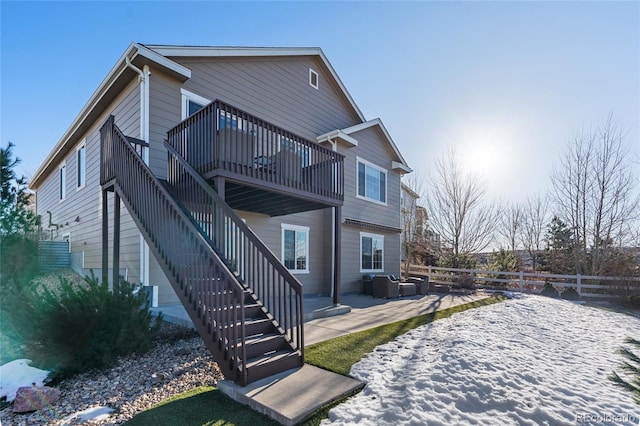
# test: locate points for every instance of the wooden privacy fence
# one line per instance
(587, 286)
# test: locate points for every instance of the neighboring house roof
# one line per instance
(159, 56)
(343, 134)
(410, 191)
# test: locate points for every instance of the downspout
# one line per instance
(143, 77)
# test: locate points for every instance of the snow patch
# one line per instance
(19, 373)
(95, 413)
(529, 360)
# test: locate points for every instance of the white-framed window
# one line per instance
(81, 166)
(62, 181)
(192, 103)
(295, 248)
(371, 183)
(371, 252)
(313, 78)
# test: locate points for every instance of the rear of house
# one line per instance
(300, 180)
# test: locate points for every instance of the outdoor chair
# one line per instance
(384, 286)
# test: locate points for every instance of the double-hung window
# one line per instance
(295, 248)
(371, 182)
(81, 164)
(371, 252)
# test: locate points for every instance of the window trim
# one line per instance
(83, 145)
(296, 228)
(313, 73)
(386, 180)
(187, 96)
(371, 235)
(62, 181)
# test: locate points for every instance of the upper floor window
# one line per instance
(295, 248)
(81, 166)
(192, 103)
(372, 182)
(62, 181)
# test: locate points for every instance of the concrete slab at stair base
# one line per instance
(292, 396)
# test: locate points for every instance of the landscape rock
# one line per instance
(35, 398)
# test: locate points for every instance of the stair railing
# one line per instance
(210, 292)
(251, 261)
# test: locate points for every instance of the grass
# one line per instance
(208, 406)
(339, 354)
(201, 406)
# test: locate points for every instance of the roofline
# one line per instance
(378, 122)
(134, 50)
(212, 51)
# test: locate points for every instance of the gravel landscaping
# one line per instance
(177, 362)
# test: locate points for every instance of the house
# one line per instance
(235, 180)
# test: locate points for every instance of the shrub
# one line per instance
(631, 301)
(549, 290)
(77, 328)
(465, 281)
(570, 294)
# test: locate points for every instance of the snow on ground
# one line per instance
(18, 373)
(529, 361)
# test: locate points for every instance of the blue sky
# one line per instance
(508, 83)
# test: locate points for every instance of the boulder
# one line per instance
(33, 398)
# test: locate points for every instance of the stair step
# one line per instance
(270, 364)
(260, 345)
(255, 326)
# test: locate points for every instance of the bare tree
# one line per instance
(457, 209)
(535, 217)
(594, 192)
(414, 218)
(510, 225)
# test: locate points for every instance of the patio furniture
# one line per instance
(422, 285)
(407, 289)
(367, 284)
(384, 286)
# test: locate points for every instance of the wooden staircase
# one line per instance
(244, 303)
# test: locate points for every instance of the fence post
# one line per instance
(429, 273)
(579, 282)
(521, 282)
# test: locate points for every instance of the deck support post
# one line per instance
(337, 241)
(116, 240)
(105, 237)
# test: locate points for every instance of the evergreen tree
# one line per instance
(18, 253)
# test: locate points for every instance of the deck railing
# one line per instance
(251, 261)
(211, 293)
(228, 141)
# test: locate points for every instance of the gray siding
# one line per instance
(274, 89)
(372, 147)
(164, 114)
(269, 229)
(86, 203)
